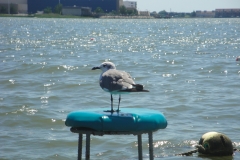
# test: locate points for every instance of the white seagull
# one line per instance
(116, 82)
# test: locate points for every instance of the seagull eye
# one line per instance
(104, 65)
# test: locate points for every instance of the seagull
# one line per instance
(116, 82)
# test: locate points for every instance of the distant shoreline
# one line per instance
(41, 16)
(52, 15)
(126, 17)
(69, 16)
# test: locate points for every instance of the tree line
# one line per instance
(122, 11)
(164, 14)
(57, 9)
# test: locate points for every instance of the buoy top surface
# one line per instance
(127, 119)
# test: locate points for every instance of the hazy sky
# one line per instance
(185, 5)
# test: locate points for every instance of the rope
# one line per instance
(196, 150)
(187, 153)
(235, 149)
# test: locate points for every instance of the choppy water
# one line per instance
(187, 64)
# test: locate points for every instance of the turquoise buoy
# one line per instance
(127, 121)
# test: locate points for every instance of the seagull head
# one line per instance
(105, 66)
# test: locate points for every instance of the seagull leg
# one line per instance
(119, 102)
(111, 103)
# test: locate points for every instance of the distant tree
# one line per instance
(187, 15)
(132, 12)
(99, 10)
(123, 10)
(193, 14)
(154, 12)
(47, 10)
(163, 13)
(135, 12)
(129, 12)
(58, 9)
(114, 12)
(182, 15)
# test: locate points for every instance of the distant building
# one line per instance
(227, 13)
(143, 13)
(120, 3)
(130, 4)
(77, 11)
(21, 6)
(205, 14)
(105, 5)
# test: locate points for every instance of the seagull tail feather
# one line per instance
(133, 90)
(137, 88)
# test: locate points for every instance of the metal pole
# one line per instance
(150, 141)
(140, 147)
(80, 146)
(87, 146)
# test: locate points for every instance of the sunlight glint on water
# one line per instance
(187, 64)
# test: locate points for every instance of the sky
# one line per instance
(185, 5)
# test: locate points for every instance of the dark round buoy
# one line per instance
(214, 143)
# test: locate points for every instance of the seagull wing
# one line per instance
(115, 80)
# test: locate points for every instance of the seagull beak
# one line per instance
(94, 68)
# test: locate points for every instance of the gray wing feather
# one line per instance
(115, 80)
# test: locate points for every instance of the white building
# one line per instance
(143, 13)
(205, 14)
(120, 3)
(130, 4)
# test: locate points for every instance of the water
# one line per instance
(187, 64)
